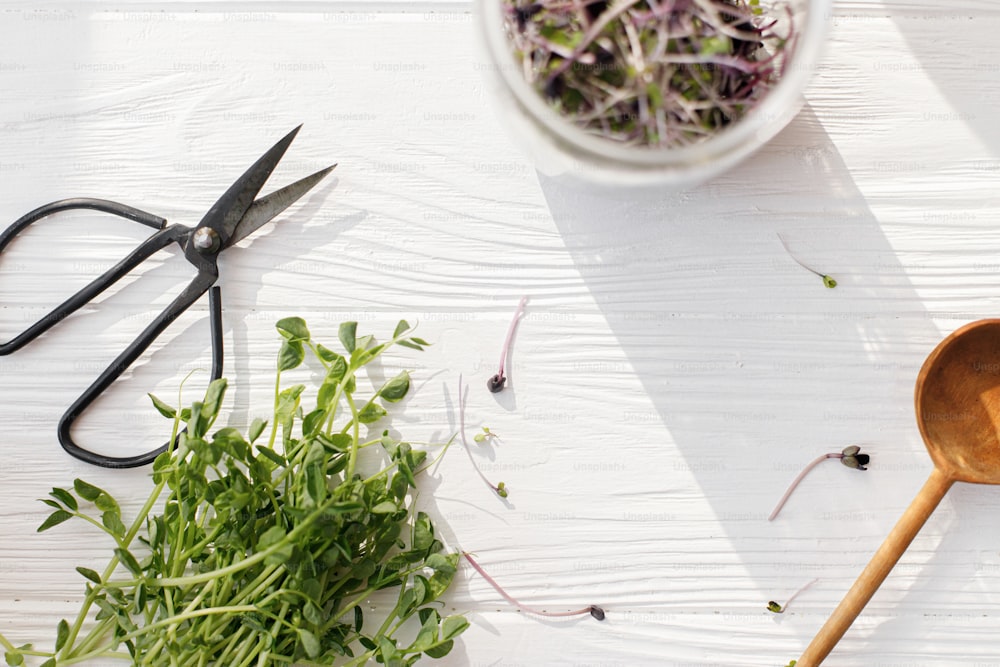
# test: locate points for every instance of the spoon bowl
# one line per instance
(957, 401)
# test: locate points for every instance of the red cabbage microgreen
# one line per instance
(650, 72)
(496, 382)
(776, 608)
(827, 280)
(851, 457)
(593, 610)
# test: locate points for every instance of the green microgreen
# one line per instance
(647, 73)
(497, 381)
(500, 488)
(267, 553)
(486, 436)
(828, 282)
(850, 456)
(593, 610)
(776, 608)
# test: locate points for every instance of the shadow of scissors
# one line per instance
(236, 215)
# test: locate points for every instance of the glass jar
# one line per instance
(560, 148)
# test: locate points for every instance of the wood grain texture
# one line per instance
(675, 367)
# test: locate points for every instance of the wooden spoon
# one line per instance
(958, 412)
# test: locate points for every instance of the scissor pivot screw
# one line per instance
(206, 240)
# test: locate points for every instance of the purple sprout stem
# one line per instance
(499, 379)
(465, 443)
(797, 260)
(799, 478)
(797, 593)
(594, 611)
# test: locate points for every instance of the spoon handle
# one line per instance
(877, 570)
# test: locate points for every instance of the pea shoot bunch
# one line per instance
(657, 73)
(267, 548)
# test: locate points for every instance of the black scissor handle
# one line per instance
(191, 293)
(143, 251)
(103, 205)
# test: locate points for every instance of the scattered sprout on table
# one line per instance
(496, 382)
(828, 282)
(777, 608)
(593, 610)
(851, 457)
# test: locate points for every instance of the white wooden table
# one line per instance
(675, 367)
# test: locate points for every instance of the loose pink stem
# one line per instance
(799, 478)
(594, 611)
(496, 382)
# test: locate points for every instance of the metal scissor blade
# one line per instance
(266, 208)
(226, 213)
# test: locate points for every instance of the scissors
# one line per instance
(236, 215)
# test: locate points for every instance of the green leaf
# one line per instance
(453, 626)
(213, 398)
(395, 389)
(401, 328)
(163, 408)
(359, 618)
(86, 491)
(51, 662)
(128, 560)
(62, 634)
(371, 413)
(315, 483)
(55, 519)
(14, 659)
(337, 370)
(426, 637)
(441, 650)
(423, 532)
(89, 574)
(113, 522)
(257, 427)
(271, 536)
(325, 354)
(313, 422)
(106, 503)
(309, 643)
(291, 355)
(272, 455)
(66, 498)
(385, 507)
(293, 329)
(348, 332)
